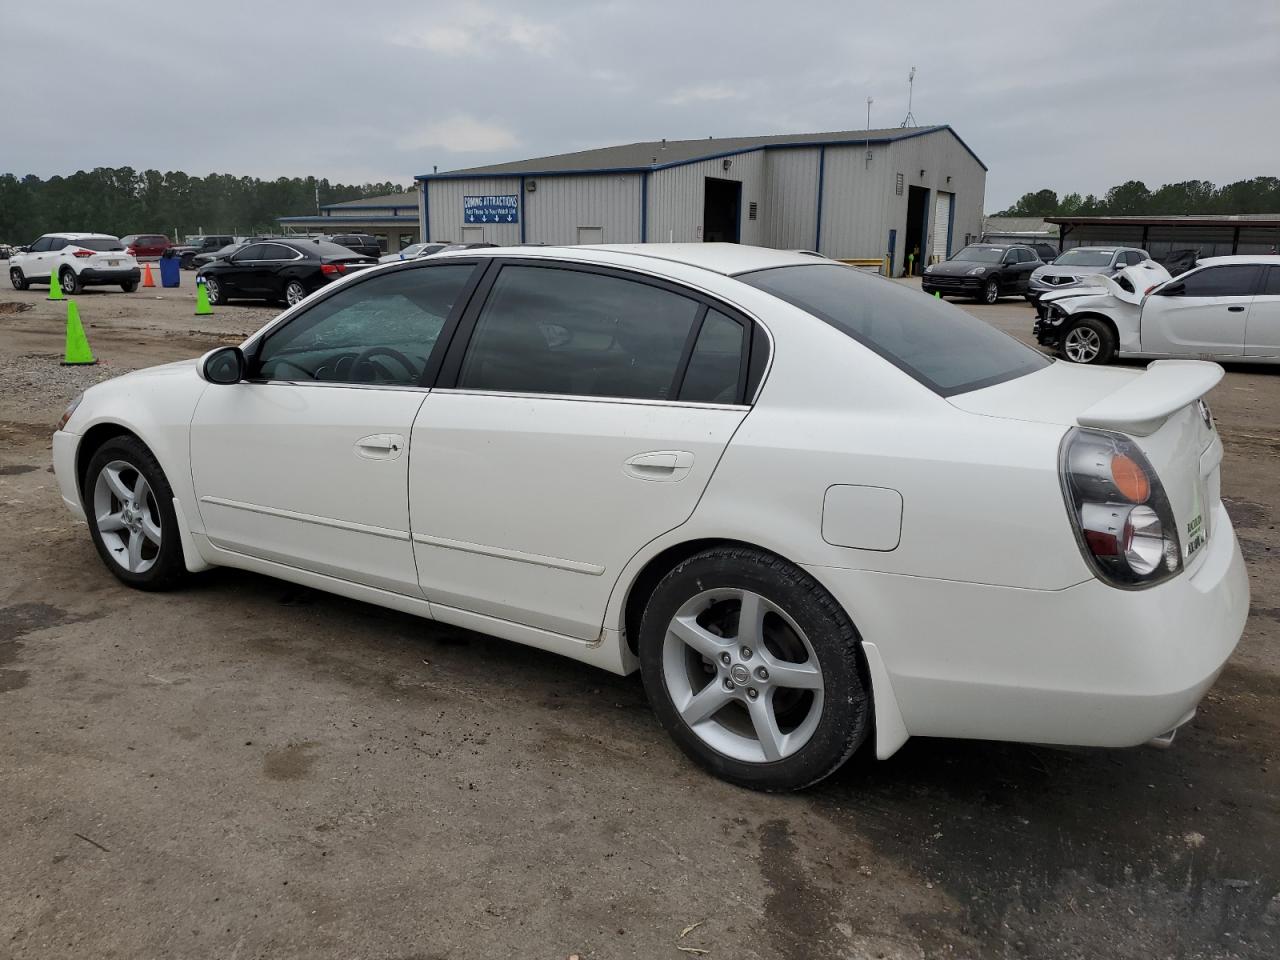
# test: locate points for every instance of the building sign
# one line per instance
(500, 209)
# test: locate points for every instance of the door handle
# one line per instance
(380, 446)
(659, 465)
(1235, 309)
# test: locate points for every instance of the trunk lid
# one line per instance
(1159, 408)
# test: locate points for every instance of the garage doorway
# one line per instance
(721, 210)
(917, 207)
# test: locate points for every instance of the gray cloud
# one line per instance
(1075, 97)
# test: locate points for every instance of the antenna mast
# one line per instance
(911, 84)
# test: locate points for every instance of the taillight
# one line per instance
(1121, 516)
(82, 253)
(130, 250)
(333, 269)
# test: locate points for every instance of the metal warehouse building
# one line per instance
(852, 194)
(392, 218)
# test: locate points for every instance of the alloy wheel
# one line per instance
(294, 293)
(743, 675)
(991, 292)
(1082, 345)
(127, 516)
(211, 289)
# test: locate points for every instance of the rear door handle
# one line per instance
(659, 465)
(1236, 309)
(380, 446)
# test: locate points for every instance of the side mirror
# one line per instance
(224, 365)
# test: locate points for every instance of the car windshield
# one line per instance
(101, 244)
(977, 254)
(940, 345)
(1084, 257)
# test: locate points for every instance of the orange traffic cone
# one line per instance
(146, 276)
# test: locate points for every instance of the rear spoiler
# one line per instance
(1143, 404)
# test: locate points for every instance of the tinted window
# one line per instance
(57, 243)
(716, 362)
(945, 348)
(1238, 280)
(1133, 258)
(254, 251)
(378, 331)
(1026, 256)
(561, 331)
(1271, 286)
(39, 246)
(276, 251)
(100, 244)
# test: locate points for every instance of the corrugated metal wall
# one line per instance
(560, 205)
(677, 195)
(445, 208)
(939, 155)
(856, 197)
(789, 210)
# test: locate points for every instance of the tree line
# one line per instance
(121, 200)
(1134, 199)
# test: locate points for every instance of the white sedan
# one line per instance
(813, 507)
(1226, 308)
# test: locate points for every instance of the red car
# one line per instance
(146, 246)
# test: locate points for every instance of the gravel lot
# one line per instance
(247, 769)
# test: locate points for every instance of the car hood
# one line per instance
(1052, 270)
(956, 268)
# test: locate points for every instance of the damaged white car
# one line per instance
(1226, 308)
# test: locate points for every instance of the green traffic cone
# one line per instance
(55, 288)
(937, 294)
(202, 300)
(77, 352)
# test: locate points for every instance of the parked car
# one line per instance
(363, 243)
(1043, 249)
(5, 251)
(187, 252)
(1227, 308)
(278, 271)
(413, 251)
(984, 271)
(146, 246)
(78, 260)
(1069, 268)
(201, 259)
(765, 480)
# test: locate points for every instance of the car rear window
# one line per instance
(101, 244)
(943, 347)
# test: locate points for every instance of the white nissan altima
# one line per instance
(810, 505)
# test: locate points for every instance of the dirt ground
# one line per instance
(245, 769)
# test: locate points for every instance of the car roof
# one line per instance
(1260, 258)
(724, 258)
(81, 236)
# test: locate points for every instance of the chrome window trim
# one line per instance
(590, 398)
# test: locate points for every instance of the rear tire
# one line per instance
(294, 292)
(69, 281)
(776, 706)
(130, 286)
(129, 505)
(17, 279)
(1089, 341)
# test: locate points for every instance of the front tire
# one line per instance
(129, 505)
(69, 281)
(17, 279)
(990, 292)
(214, 291)
(1089, 341)
(777, 702)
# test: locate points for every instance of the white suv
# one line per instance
(78, 259)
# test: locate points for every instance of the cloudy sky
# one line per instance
(1075, 95)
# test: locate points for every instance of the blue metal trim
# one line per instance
(426, 214)
(923, 259)
(951, 221)
(790, 145)
(644, 207)
(343, 206)
(336, 221)
(521, 209)
(822, 172)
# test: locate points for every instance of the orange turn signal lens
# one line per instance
(1130, 479)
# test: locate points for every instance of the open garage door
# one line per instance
(942, 205)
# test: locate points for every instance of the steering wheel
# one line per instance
(366, 356)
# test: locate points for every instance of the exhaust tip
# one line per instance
(1164, 741)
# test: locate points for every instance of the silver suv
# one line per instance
(1070, 266)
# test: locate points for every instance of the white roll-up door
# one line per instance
(941, 224)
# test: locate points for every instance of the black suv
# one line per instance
(186, 252)
(359, 242)
(984, 271)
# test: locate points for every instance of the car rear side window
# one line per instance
(1271, 286)
(568, 332)
(1232, 280)
(943, 347)
(380, 331)
(715, 366)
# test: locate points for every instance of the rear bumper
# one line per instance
(1090, 665)
(93, 276)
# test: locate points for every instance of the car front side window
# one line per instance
(378, 331)
(566, 332)
(1232, 280)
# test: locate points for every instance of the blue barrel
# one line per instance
(170, 271)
